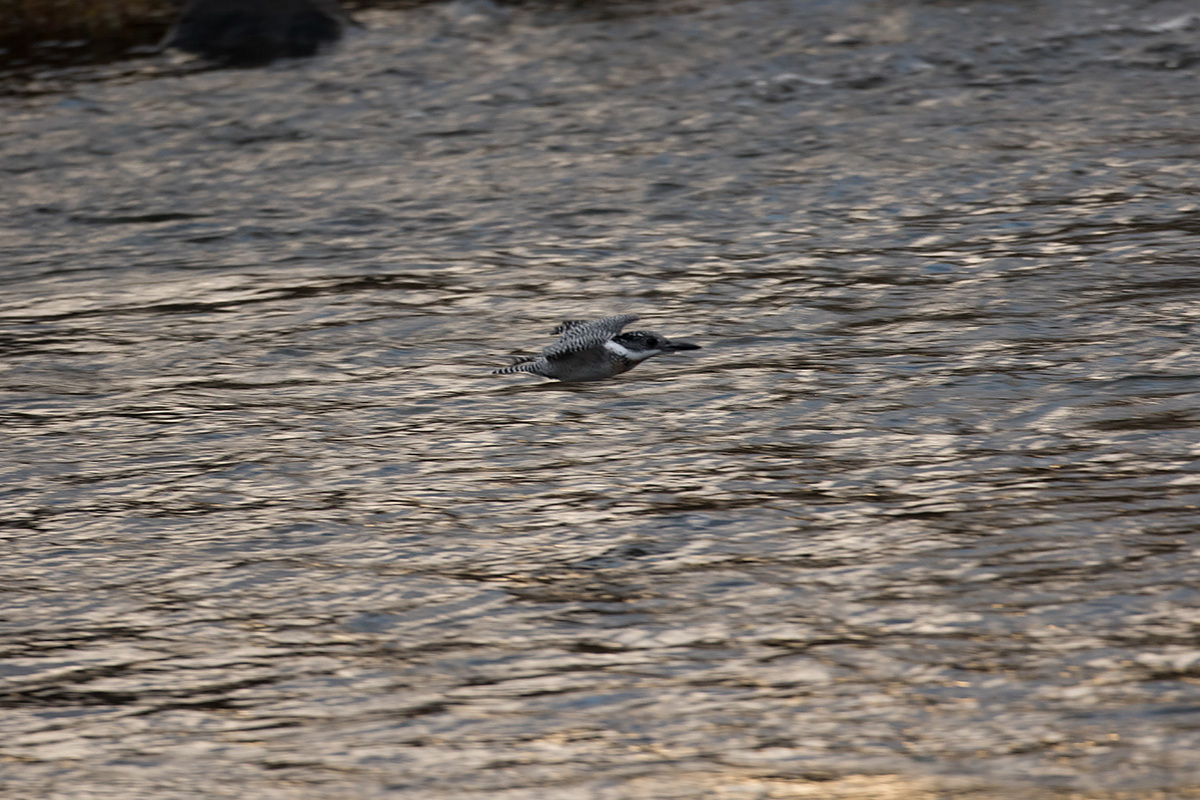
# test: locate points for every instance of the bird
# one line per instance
(595, 350)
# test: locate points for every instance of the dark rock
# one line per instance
(252, 32)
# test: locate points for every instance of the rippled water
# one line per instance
(919, 521)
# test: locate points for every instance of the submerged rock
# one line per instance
(249, 32)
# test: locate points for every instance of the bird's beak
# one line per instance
(677, 346)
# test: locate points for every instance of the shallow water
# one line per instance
(918, 521)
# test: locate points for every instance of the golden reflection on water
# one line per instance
(917, 519)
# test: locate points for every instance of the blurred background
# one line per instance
(919, 521)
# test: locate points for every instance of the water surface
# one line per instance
(918, 521)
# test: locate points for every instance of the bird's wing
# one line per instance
(580, 335)
(612, 325)
(568, 325)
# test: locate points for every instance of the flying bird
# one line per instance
(593, 351)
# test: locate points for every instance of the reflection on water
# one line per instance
(920, 515)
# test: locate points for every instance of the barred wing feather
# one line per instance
(580, 335)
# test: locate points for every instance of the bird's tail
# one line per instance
(520, 366)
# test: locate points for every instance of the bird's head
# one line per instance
(640, 345)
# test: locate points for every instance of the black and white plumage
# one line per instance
(593, 351)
